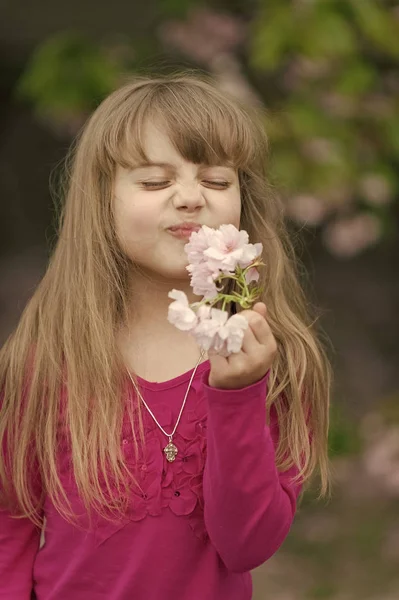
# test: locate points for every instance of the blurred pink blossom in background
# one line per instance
(204, 34)
(307, 209)
(347, 236)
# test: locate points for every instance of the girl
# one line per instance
(95, 381)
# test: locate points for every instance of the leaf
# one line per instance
(305, 119)
(377, 25)
(326, 34)
(344, 438)
(67, 74)
(356, 78)
(270, 37)
(176, 8)
(390, 130)
(287, 167)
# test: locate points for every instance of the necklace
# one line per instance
(170, 449)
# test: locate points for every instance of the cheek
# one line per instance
(134, 219)
(232, 209)
(141, 218)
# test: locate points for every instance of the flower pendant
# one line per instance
(170, 451)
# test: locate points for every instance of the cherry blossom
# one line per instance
(216, 255)
(203, 280)
(229, 247)
(230, 335)
(180, 313)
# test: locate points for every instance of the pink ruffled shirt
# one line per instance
(194, 530)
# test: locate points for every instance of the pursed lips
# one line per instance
(183, 230)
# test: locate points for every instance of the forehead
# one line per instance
(161, 153)
(157, 145)
(157, 137)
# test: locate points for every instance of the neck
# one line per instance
(150, 345)
(149, 304)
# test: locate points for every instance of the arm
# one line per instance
(249, 505)
(19, 543)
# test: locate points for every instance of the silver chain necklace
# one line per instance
(170, 449)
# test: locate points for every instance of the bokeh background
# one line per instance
(326, 73)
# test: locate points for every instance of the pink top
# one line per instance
(197, 528)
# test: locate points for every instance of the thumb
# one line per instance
(260, 307)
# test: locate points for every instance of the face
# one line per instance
(150, 198)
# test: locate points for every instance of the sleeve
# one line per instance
(19, 544)
(249, 506)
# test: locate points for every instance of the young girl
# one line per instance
(95, 381)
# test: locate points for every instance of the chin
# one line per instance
(179, 274)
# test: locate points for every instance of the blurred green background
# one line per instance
(326, 73)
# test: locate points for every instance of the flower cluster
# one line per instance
(215, 257)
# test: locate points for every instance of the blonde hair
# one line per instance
(66, 336)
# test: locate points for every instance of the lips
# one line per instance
(185, 228)
(183, 231)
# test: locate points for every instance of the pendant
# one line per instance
(170, 451)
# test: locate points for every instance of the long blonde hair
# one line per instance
(66, 336)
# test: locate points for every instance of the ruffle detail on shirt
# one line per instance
(175, 486)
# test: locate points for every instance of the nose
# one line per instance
(188, 196)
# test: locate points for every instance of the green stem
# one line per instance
(243, 285)
(222, 277)
(245, 299)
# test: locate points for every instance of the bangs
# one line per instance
(203, 126)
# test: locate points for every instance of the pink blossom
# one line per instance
(229, 248)
(376, 189)
(199, 242)
(212, 253)
(228, 74)
(382, 459)
(251, 275)
(220, 249)
(204, 34)
(204, 312)
(206, 330)
(306, 208)
(256, 251)
(230, 335)
(203, 280)
(179, 312)
(348, 236)
(215, 330)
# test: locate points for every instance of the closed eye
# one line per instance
(154, 184)
(162, 184)
(218, 184)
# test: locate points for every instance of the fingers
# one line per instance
(255, 357)
(258, 337)
(260, 307)
(258, 324)
(250, 344)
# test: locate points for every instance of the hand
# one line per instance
(256, 356)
